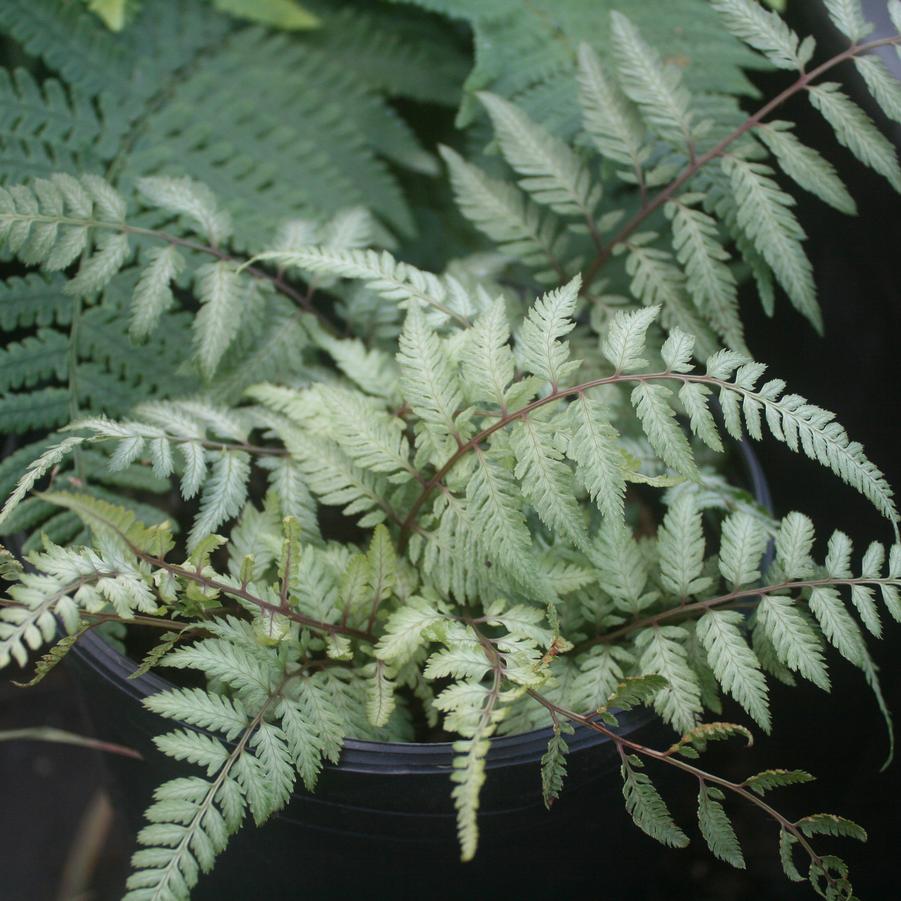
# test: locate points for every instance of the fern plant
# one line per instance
(149, 102)
(488, 451)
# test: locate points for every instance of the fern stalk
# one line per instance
(162, 891)
(622, 743)
(555, 395)
(698, 163)
(688, 610)
(156, 622)
(302, 298)
(704, 777)
(244, 595)
(61, 736)
(214, 584)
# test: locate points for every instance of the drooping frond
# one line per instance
(805, 165)
(855, 130)
(765, 31)
(764, 214)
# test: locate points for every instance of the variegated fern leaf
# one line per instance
(489, 448)
(686, 189)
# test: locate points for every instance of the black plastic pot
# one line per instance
(381, 824)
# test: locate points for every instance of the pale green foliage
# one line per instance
(479, 431)
(609, 119)
(710, 281)
(680, 544)
(770, 779)
(848, 17)
(882, 84)
(734, 664)
(633, 691)
(648, 809)
(287, 720)
(281, 716)
(286, 14)
(143, 108)
(594, 447)
(805, 165)
(553, 768)
(49, 224)
(795, 642)
(895, 13)
(552, 173)
(65, 583)
(653, 406)
(765, 216)
(697, 738)
(153, 294)
(517, 225)
(194, 201)
(663, 652)
(427, 376)
(282, 728)
(716, 828)
(855, 130)
(624, 342)
(389, 278)
(743, 543)
(469, 777)
(728, 196)
(219, 319)
(765, 31)
(541, 351)
(656, 88)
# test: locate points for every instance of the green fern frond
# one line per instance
(655, 87)
(427, 377)
(553, 768)
(848, 17)
(496, 515)
(805, 165)
(882, 84)
(765, 31)
(550, 318)
(656, 281)
(594, 447)
(855, 130)
(663, 653)
(469, 775)
(507, 217)
(391, 279)
(547, 481)
(551, 172)
(658, 420)
(647, 808)
(55, 655)
(680, 545)
(717, 829)
(764, 214)
(793, 637)
(709, 280)
(734, 664)
(608, 117)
